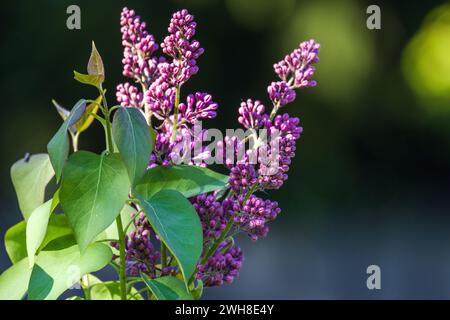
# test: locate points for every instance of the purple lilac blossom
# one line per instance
(212, 215)
(251, 114)
(198, 106)
(256, 212)
(222, 267)
(296, 68)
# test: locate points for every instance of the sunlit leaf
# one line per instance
(30, 176)
(64, 267)
(95, 64)
(15, 242)
(58, 271)
(90, 79)
(37, 228)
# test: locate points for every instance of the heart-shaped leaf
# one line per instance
(58, 147)
(93, 192)
(167, 288)
(133, 139)
(30, 177)
(188, 180)
(177, 223)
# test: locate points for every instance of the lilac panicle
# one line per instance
(139, 46)
(289, 132)
(160, 97)
(181, 47)
(296, 68)
(222, 267)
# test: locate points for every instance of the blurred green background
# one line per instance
(371, 180)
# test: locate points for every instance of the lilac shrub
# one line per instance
(149, 205)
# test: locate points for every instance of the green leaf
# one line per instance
(95, 64)
(64, 267)
(111, 291)
(58, 227)
(188, 180)
(111, 231)
(15, 242)
(90, 79)
(93, 192)
(41, 284)
(58, 147)
(167, 288)
(178, 225)
(37, 228)
(58, 271)
(133, 139)
(14, 281)
(86, 120)
(30, 176)
(15, 237)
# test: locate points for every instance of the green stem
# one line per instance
(175, 114)
(85, 285)
(220, 240)
(274, 110)
(121, 233)
(122, 276)
(106, 113)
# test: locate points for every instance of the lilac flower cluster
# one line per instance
(157, 90)
(253, 215)
(198, 106)
(296, 68)
(222, 267)
(212, 215)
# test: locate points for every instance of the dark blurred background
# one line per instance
(371, 180)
